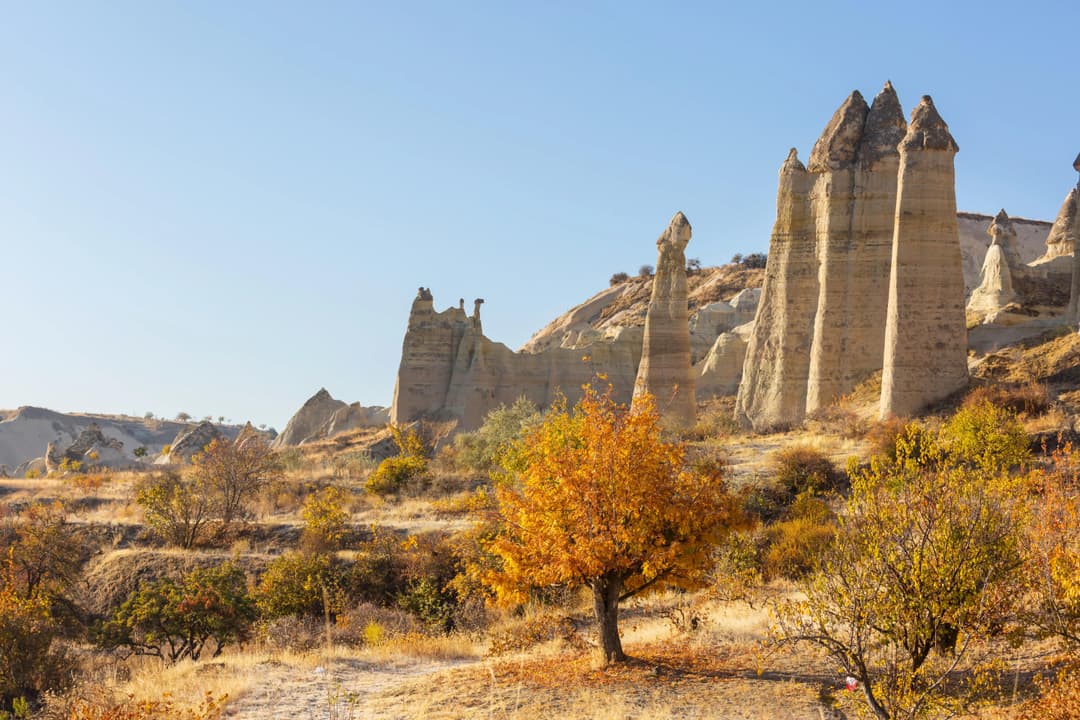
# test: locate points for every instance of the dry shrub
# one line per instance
(292, 632)
(101, 707)
(534, 630)
(1060, 699)
(1031, 399)
(882, 436)
(838, 420)
(715, 419)
(801, 468)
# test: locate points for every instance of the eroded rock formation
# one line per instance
(450, 371)
(90, 449)
(853, 198)
(995, 290)
(772, 391)
(926, 332)
(665, 371)
(191, 442)
(312, 414)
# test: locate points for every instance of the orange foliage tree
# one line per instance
(594, 497)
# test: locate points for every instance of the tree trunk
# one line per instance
(606, 591)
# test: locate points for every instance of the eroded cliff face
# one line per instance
(926, 331)
(450, 371)
(665, 370)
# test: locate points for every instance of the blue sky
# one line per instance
(220, 207)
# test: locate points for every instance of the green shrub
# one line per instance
(986, 436)
(480, 450)
(394, 473)
(299, 584)
(326, 519)
(176, 620)
(177, 509)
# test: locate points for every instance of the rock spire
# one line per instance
(925, 332)
(772, 392)
(665, 370)
(854, 207)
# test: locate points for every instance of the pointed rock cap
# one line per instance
(1001, 230)
(927, 130)
(839, 141)
(677, 233)
(1076, 163)
(792, 164)
(885, 127)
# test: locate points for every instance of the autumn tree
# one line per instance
(172, 620)
(594, 497)
(180, 511)
(234, 473)
(927, 557)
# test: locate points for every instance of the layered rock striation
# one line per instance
(926, 331)
(665, 370)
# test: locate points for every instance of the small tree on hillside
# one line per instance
(178, 510)
(234, 473)
(594, 497)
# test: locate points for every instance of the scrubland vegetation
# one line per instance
(581, 562)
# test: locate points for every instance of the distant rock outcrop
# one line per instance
(995, 291)
(322, 417)
(191, 442)
(26, 433)
(665, 371)
(926, 330)
(90, 449)
(307, 420)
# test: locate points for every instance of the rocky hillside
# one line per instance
(27, 433)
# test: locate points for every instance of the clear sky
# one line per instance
(219, 207)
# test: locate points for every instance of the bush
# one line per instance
(409, 467)
(130, 709)
(481, 450)
(176, 620)
(646, 271)
(986, 436)
(326, 519)
(394, 473)
(755, 261)
(1031, 399)
(1060, 699)
(234, 473)
(801, 468)
(795, 546)
(299, 584)
(618, 278)
(30, 662)
(178, 510)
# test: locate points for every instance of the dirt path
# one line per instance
(336, 690)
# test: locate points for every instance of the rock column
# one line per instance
(1068, 224)
(925, 332)
(857, 201)
(665, 370)
(772, 392)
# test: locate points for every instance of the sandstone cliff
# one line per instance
(189, 442)
(926, 331)
(665, 370)
(90, 449)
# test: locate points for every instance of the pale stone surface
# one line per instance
(191, 442)
(322, 416)
(772, 391)
(450, 371)
(926, 333)
(853, 205)
(1063, 234)
(995, 290)
(304, 423)
(665, 371)
(91, 449)
(720, 371)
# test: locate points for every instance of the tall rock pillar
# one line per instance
(665, 371)
(772, 392)
(857, 164)
(926, 331)
(1068, 223)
